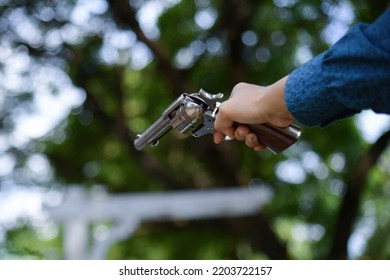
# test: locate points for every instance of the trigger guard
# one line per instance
(207, 127)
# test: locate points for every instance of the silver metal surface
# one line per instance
(192, 114)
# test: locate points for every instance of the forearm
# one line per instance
(351, 76)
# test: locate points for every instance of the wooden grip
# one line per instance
(277, 139)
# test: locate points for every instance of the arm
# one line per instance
(351, 76)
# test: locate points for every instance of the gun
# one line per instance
(195, 113)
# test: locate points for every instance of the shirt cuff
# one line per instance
(307, 97)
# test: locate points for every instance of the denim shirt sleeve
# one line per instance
(353, 75)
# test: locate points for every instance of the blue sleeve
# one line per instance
(353, 75)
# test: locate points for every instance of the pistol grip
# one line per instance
(277, 139)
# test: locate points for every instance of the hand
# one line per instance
(251, 104)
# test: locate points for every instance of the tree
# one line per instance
(116, 65)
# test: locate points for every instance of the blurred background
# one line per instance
(79, 79)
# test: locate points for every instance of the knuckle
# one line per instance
(238, 87)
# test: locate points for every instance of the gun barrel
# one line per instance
(153, 133)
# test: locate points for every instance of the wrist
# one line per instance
(273, 104)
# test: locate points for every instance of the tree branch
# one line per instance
(260, 235)
(125, 16)
(234, 19)
(355, 184)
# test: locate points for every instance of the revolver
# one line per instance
(194, 114)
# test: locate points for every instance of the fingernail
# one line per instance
(240, 133)
(250, 140)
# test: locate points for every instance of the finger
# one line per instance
(241, 132)
(218, 137)
(259, 148)
(223, 122)
(252, 141)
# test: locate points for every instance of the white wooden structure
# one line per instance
(128, 211)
